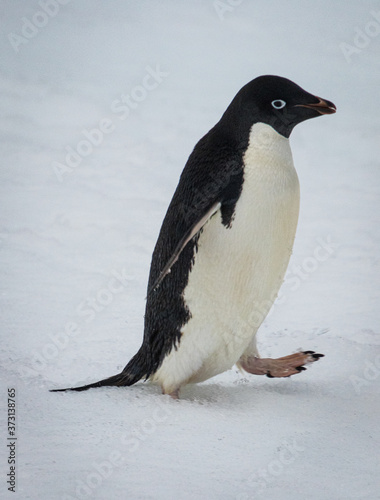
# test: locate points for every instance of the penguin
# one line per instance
(224, 245)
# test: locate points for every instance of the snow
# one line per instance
(76, 246)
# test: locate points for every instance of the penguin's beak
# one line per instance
(323, 107)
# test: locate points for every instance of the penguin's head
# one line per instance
(276, 101)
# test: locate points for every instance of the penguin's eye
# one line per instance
(278, 104)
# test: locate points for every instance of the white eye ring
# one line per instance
(278, 104)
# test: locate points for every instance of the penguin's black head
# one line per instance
(275, 101)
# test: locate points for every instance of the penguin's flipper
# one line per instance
(189, 235)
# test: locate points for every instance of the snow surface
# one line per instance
(66, 319)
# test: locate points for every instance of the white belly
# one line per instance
(238, 271)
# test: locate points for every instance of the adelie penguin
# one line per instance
(225, 244)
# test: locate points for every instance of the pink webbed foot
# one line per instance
(280, 367)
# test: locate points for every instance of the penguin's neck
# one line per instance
(270, 196)
(268, 151)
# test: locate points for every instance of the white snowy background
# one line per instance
(66, 233)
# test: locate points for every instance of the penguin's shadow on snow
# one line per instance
(237, 393)
(240, 394)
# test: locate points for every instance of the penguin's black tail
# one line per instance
(132, 373)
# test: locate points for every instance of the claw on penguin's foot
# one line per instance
(313, 354)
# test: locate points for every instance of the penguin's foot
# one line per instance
(173, 394)
(280, 367)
